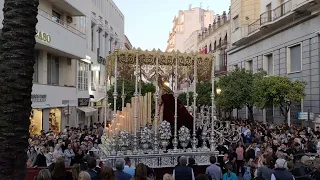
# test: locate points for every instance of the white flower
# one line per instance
(184, 134)
(164, 131)
(145, 135)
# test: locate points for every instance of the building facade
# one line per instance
(54, 92)
(284, 41)
(127, 43)
(185, 24)
(243, 14)
(105, 33)
(216, 39)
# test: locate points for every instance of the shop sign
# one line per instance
(38, 97)
(83, 101)
(43, 36)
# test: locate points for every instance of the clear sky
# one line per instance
(148, 22)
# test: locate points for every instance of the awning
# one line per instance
(88, 111)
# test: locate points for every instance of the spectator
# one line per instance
(202, 177)
(119, 164)
(167, 177)
(84, 175)
(69, 155)
(107, 173)
(49, 157)
(32, 156)
(214, 171)
(127, 167)
(75, 170)
(141, 172)
(182, 171)
(44, 174)
(91, 168)
(281, 172)
(41, 158)
(229, 175)
(192, 163)
(59, 171)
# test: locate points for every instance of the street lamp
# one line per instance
(167, 84)
(218, 90)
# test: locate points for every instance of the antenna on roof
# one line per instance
(190, 6)
(207, 8)
(201, 5)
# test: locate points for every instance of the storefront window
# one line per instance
(35, 122)
(55, 120)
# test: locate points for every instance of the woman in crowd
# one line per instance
(141, 172)
(44, 174)
(59, 171)
(107, 173)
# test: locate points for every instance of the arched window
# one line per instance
(219, 42)
(215, 45)
(210, 48)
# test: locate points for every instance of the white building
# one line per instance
(185, 24)
(105, 33)
(61, 43)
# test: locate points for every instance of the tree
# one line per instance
(279, 91)
(16, 70)
(237, 90)
(204, 94)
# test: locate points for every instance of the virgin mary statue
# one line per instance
(167, 108)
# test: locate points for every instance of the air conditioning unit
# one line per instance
(69, 19)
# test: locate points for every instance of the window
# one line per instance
(235, 66)
(294, 58)
(83, 73)
(56, 17)
(52, 69)
(249, 65)
(99, 41)
(35, 67)
(269, 12)
(268, 64)
(236, 23)
(92, 36)
(93, 87)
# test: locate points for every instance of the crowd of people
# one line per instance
(265, 152)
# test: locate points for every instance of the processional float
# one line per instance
(150, 144)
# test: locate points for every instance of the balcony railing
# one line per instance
(61, 23)
(218, 69)
(282, 10)
(254, 26)
(266, 17)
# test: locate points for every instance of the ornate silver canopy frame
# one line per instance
(154, 139)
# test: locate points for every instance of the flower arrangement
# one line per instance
(145, 135)
(124, 139)
(184, 134)
(165, 130)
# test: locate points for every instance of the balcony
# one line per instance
(59, 36)
(275, 19)
(73, 7)
(220, 70)
(52, 96)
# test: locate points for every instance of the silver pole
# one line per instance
(212, 145)
(123, 96)
(136, 94)
(175, 140)
(115, 96)
(156, 118)
(194, 139)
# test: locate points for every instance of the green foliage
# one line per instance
(237, 90)
(278, 91)
(204, 94)
(129, 89)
